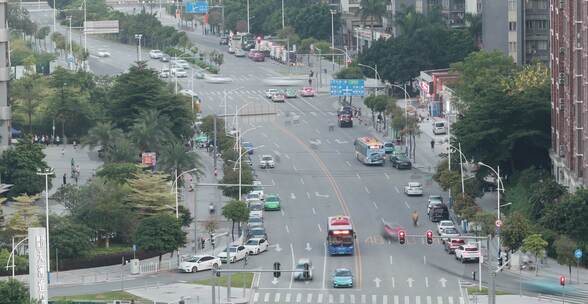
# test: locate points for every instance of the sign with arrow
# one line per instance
(293, 196)
(308, 248)
(578, 253)
(278, 248)
(377, 281)
(443, 282)
(410, 281)
(275, 281)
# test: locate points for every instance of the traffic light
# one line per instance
(258, 39)
(429, 237)
(306, 273)
(401, 237)
(562, 280)
(212, 240)
(276, 269)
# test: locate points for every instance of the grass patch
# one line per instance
(114, 248)
(476, 291)
(237, 280)
(106, 296)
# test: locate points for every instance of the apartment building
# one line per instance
(569, 89)
(518, 28)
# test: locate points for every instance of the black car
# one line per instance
(345, 120)
(439, 213)
(224, 41)
(400, 162)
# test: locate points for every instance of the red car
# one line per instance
(390, 231)
(452, 244)
(307, 92)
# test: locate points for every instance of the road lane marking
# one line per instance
(277, 146)
(357, 174)
(293, 263)
(375, 205)
(298, 297)
(366, 189)
(313, 114)
(283, 213)
(320, 228)
(293, 196)
(374, 299)
(313, 211)
(325, 266)
(287, 156)
(407, 206)
(427, 282)
(396, 188)
(439, 300)
(288, 297)
(363, 299)
(277, 298)
(266, 297)
(294, 167)
(264, 135)
(308, 194)
(317, 131)
(331, 298)
(302, 180)
(396, 301)
(348, 163)
(384, 299)
(309, 298)
(461, 300)
(287, 229)
(337, 151)
(425, 259)
(417, 299)
(352, 298)
(406, 299)
(387, 176)
(393, 283)
(450, 299)
(320, 298)
(341, 298)
(391, 262)
(256, 297)
(429, 300)
(273, 182)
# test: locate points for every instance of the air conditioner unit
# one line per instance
(562, 3)
(562, 50)
(561, 78)
(562, 150)
(561, 104)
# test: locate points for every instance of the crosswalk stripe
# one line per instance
(396, 300)
(266, 297)
(385, 299)
(362, 299)
(320, 298)
(406, 300)
(374, 299)
(417, 300)
(277, 297)
(352, 298)
(439, 300)
(288, 298)
(461, 300)
(309, 298)
(450, 300)
(298, 297)
(341, 298)
(331, 298)
(429, 300)
(255, 297)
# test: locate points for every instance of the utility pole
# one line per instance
(283, 22)
(248, 18)
(215, 151)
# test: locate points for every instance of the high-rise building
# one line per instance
(5, 114)
(569, 88)
(518, 28)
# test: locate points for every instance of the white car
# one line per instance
(217, 79)
(182, 63)
(252, 197)
(256, 245)
(467, 252)
(256, 209)
(267, 161)
(239, 53)
(164, 73)
(103, 53)
(449, 233)
(433, 201)
(270, 92)
(413, 188)
(188, 93)
(300, 269)
(257, 189)
(179, 72)
(236, 253)
(155, 54)
(199, 262)
(442, 225)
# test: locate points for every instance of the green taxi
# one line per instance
(291, 93)
(271, 203)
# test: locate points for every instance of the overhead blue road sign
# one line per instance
(199, 7)
(578, 253)
(347, 87)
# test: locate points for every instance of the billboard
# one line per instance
(347, 87)
(149, 159)
(38, 274)
(101, 27)
(199, 7)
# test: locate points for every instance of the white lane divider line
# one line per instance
(396, 188)
(375, 205)
(393, 283)
(313, 211)
(406, 204)
(348, 163)
(302, 180)
(425, 259)
(287, 229)
(277, 146)
(427, 282)
(308, 195)
(391, 261)
(319, 227)
(387, 176)
(366, 189)
(287, 156)
(357, 174)
(264, 135)
(282, 211)
(294, 167)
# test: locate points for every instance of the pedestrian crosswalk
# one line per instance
(334, 297)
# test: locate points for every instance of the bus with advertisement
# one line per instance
(340, 235)
(369, 150)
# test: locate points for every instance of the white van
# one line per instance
(439, 127)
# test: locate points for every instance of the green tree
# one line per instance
(27, 94)
(25, 216)
(150, 131)
(21, 262)
(150, 193)
(566, 216)
(231, 176)
(68, 238)
(118, 172)
(175, 159)
(19, 165)
(13, 291)
(123, 151)
(565, 248)
(351, 72)
(486, 220)
(236, 212)
(160, 233)
(535, 245)
(515, 229)
(372, 9)
(103, 134)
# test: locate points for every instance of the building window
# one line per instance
(512, 47)
(512, 26)
(512, 4)
(542, 45)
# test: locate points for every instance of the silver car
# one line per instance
(299, 273)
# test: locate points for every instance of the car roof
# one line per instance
(469, 245)
(266, 155)
(446, 222)
(257, 228)
(435, 197)
(415, 184)
(304, 261)
(198, 256)
(255, 239)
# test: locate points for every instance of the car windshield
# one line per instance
(251, 242)
(446, 224)
(256, 207)
(450, 231)
(233, 249)
(343, 273)
(255, 220)
(389, 145)
(266, 158)
(252, 196)
(257, 231)
(193, 259)
(435, 198)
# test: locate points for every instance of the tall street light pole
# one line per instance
(248, 18)
(375, 69)
(47, 172)
(283, 22)
(138, 37)
(176, 188)
(333, 12)
(499, 187)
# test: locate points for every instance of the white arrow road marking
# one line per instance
(387, 176)
(348, 163)
(375, 205)
(391, 260)
(321, 195)
(308, 248)
(427, 282)
(393, 283)
(278, 248)
(410, 281)
(328, 141)
(282, 211)
(443, 282)
(337, 140)
(274, 281)
(302, 180)
(357, 174)
(313, 211)
(377, 281)
(319, 227)
(294, 167)
(293, 196)
(287, 156)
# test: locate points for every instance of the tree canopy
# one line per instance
(160, 233)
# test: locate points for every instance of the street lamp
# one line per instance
(499, 187)
(375, 69)
(249, 18)
(225, 92)
(238, 161)
(138, 37)
(347, 57)
(461, 157)
(176, 187)
(333, 12)
(47, 172)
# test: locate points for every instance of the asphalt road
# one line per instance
(314, 184)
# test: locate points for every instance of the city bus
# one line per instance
(340, 235)
(369, 150)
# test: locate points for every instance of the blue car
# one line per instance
(248, 147)
(342, 277)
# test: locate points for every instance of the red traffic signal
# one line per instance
(401, 237)
(562, 280)
(429, 237)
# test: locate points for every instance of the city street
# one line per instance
(314, 182)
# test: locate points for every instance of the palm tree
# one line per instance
(123, 151)
(104, 134)
(27, 96)
(150, 130)
(176, 158)
(372, 9)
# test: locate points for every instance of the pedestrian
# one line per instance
(75, 145)
(62, 152)
(432, 144)
(57, 140)
(309, 82)
(64, 179)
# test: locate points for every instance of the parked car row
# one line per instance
(277, 95)
(453, 244)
